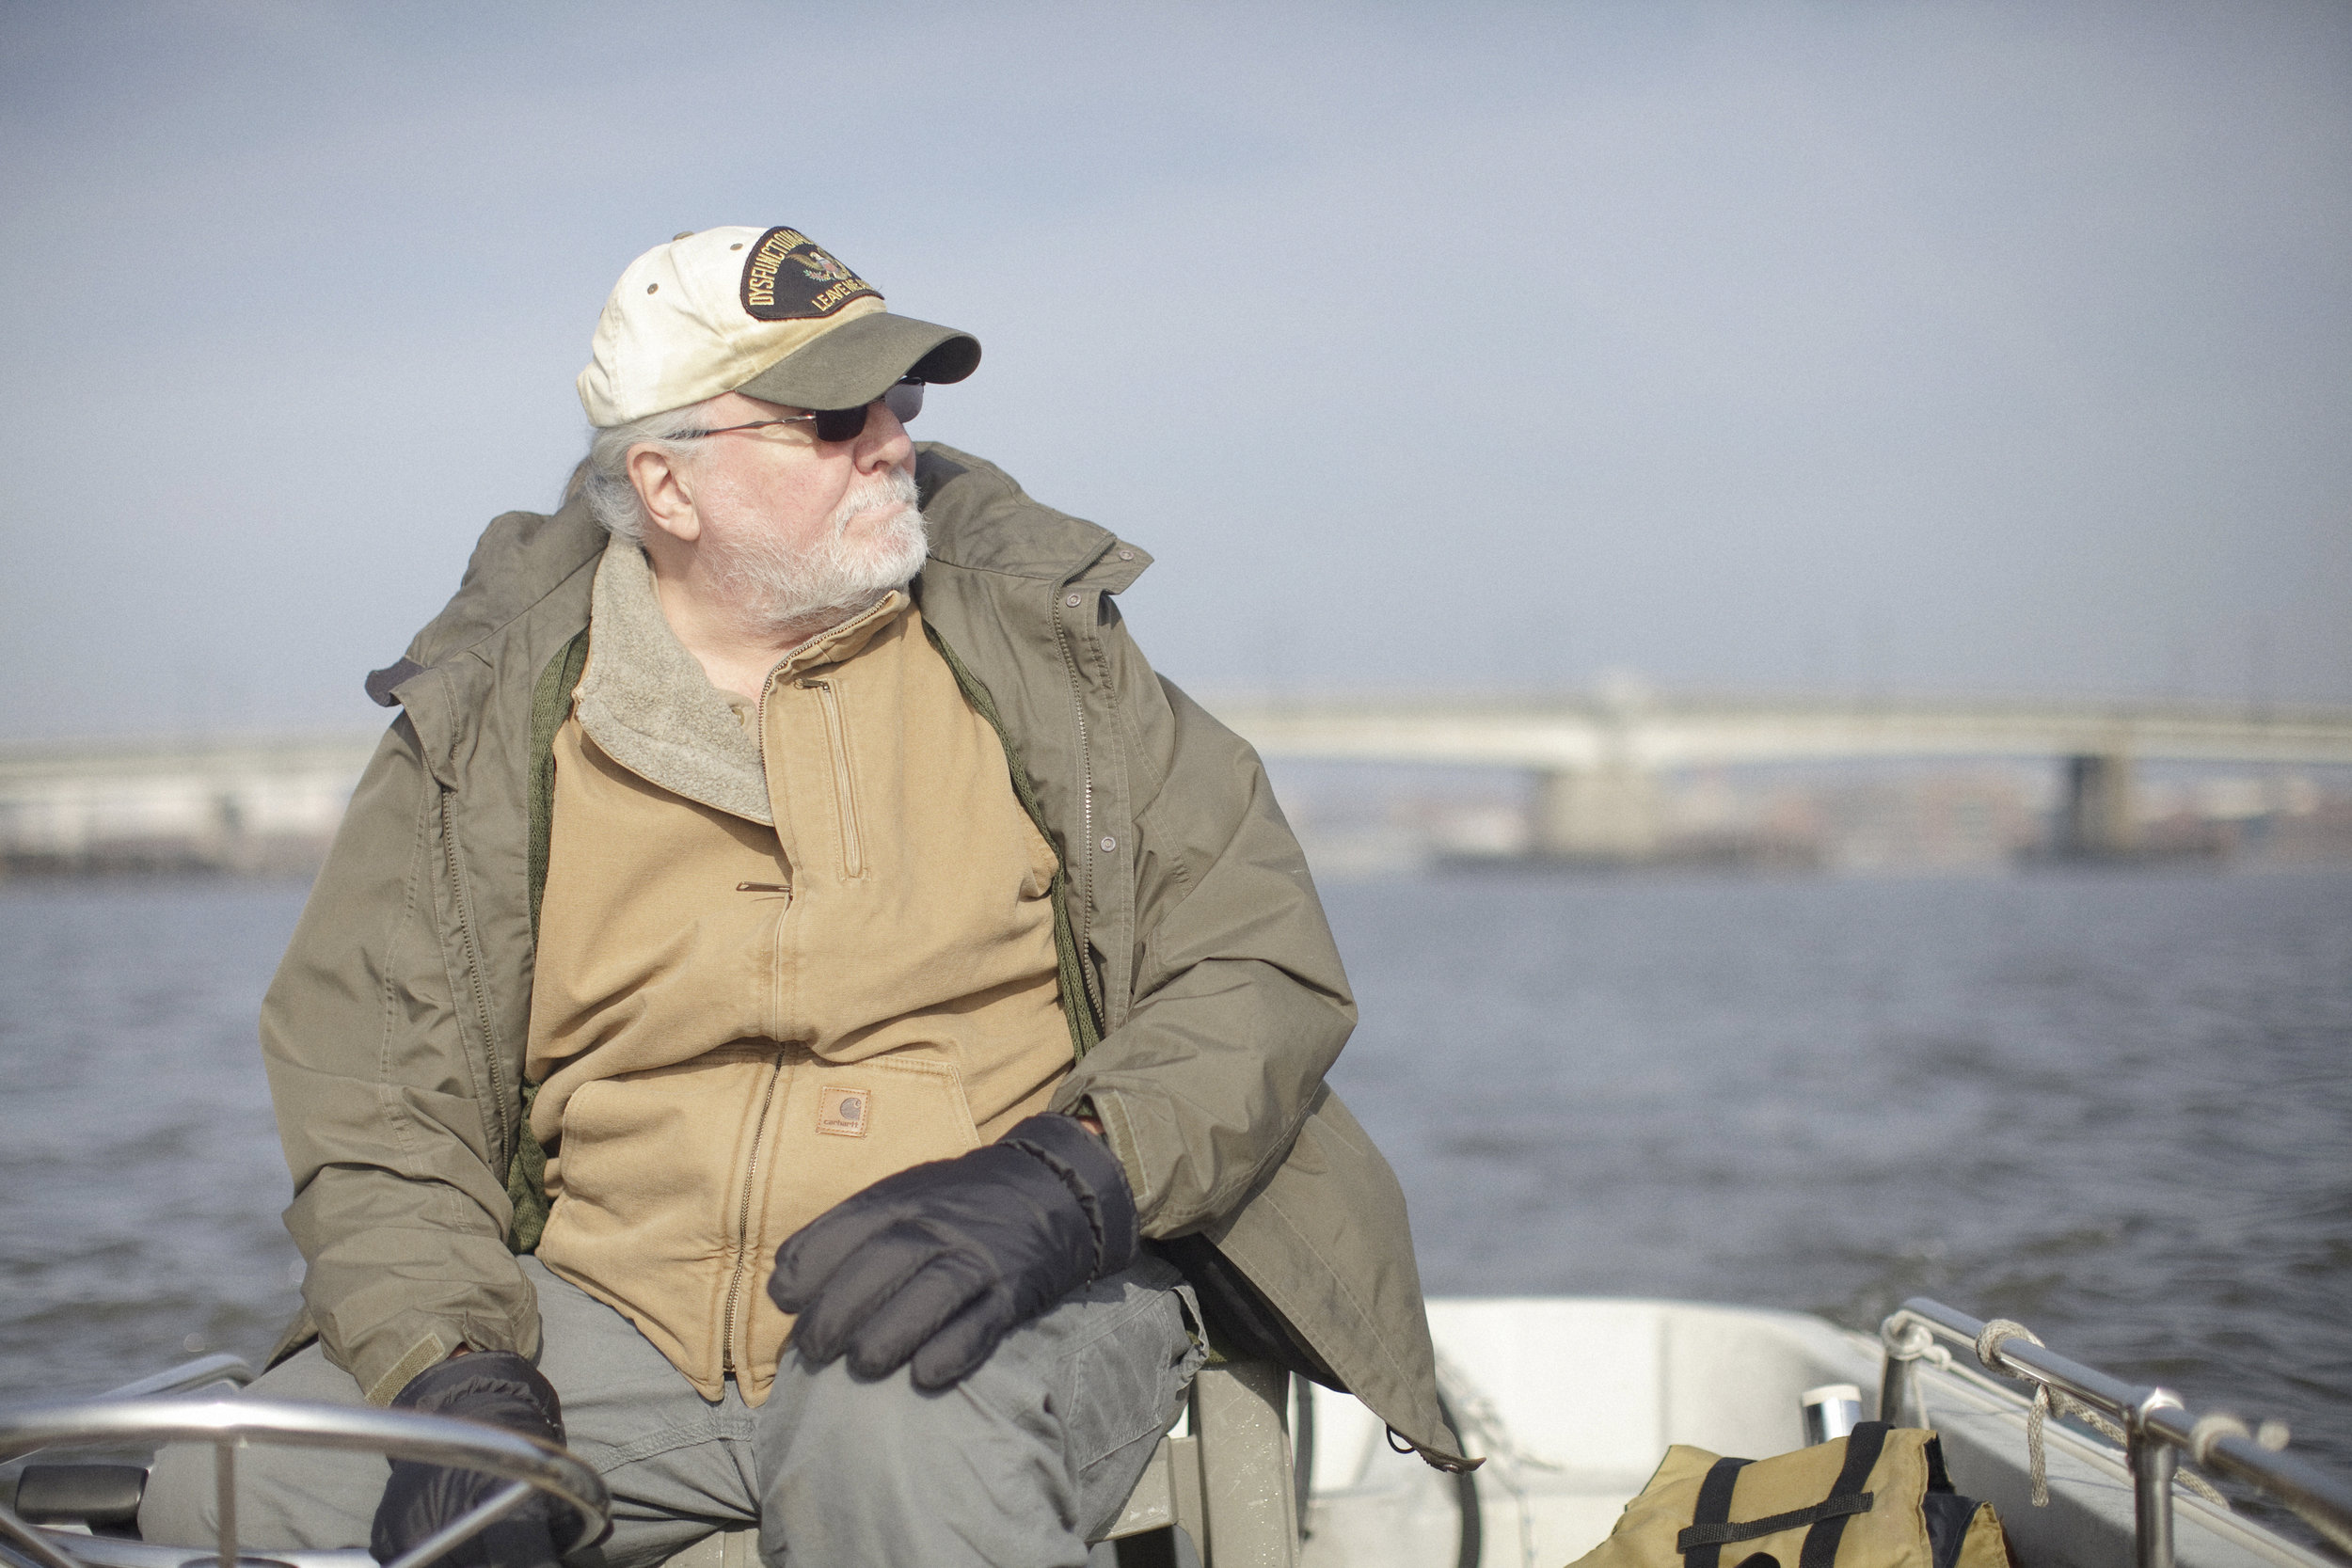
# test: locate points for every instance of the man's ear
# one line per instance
(661, 485)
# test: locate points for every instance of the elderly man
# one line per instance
(798, 1010)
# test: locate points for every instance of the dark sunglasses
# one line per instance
(904, 399)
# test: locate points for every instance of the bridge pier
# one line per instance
(1606, 814)
(2096, 819)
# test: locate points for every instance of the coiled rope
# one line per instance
(2048, 1402)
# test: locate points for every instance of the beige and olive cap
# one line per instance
(762, 311)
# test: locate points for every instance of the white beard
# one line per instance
(773, 585)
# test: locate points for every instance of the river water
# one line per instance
(2114, 1105)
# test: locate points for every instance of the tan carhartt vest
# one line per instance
(772, 969)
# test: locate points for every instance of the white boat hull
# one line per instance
(1574, 1401)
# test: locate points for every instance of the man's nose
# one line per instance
(884, 442)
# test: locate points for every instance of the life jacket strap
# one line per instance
(1723, 1535)
(1863, 1446)
(1712, 1529)
(1713, 1511)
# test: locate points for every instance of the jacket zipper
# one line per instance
(853, 850)
(743, 1221)
(507, 1136)
(1086, 848)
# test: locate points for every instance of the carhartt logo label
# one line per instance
(844, 1112)
(789, 277)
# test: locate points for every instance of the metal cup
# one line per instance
(1830, 1411)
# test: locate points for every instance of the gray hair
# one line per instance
(604, 476)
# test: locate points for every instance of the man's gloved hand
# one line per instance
(939, 1262)
(498, 1388)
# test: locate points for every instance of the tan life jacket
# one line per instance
(1876, 1498)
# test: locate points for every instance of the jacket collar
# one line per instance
(980, 519)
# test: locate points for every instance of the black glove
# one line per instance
(501, 1389)
(939, 1262)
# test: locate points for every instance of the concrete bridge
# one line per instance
(262, 803)
(1597, 757)
(256, 804)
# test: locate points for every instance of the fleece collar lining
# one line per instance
(647, 702)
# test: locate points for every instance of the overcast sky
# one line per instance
(1867, 346)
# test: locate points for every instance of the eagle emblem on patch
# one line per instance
(844, 1112)
(788, 276)
(820, 268)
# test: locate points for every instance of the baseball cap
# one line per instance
(765, 312)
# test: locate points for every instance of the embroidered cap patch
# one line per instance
(843, 1112)
(787, 276)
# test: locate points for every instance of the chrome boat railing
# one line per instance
(2158, 1428)
(186, 1378)
(230, 1424)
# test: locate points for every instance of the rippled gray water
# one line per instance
(2117, 1106)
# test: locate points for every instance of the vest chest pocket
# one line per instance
(845, 791)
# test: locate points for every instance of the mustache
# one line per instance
(891, 488)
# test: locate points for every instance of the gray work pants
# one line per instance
(1017, 1466)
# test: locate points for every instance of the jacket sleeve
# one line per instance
(1239, 1004)
(399, 1205)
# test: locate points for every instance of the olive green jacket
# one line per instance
(394, 1030)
